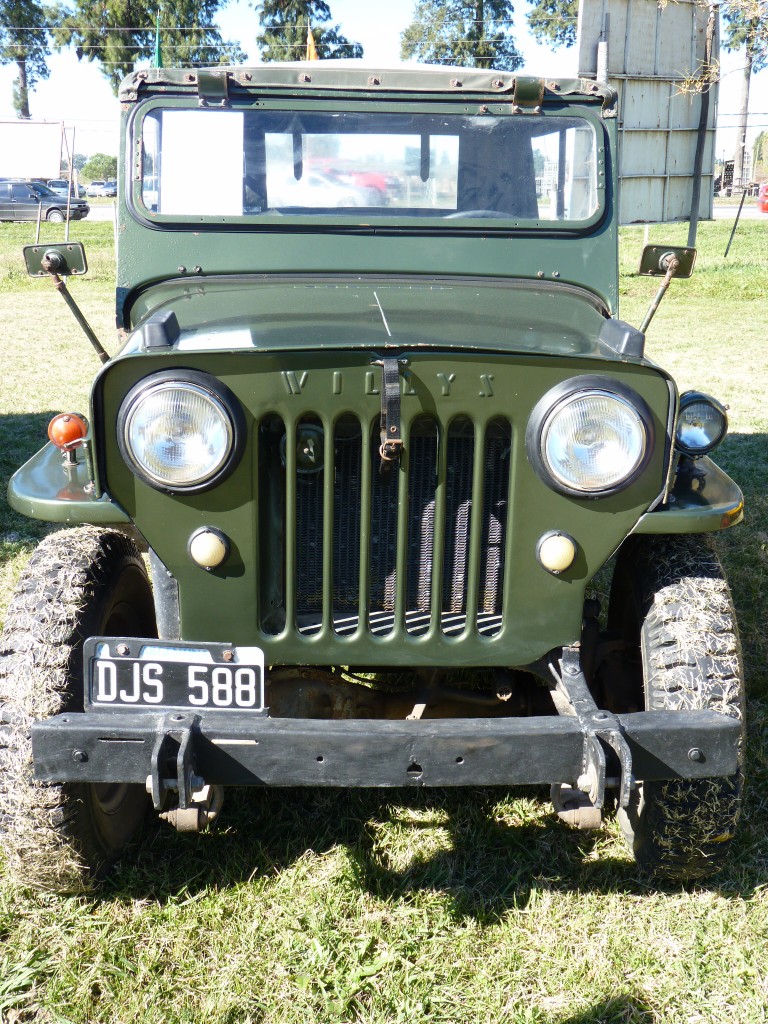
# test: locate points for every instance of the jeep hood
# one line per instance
(271, 313)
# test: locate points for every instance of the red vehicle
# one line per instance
(762, 198)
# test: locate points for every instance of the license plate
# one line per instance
(138, 673)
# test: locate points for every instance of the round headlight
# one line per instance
(180, 434)
(590, 440)
(702, 424)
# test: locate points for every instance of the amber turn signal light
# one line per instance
(67, 431)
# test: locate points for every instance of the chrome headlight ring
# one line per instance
(181, 431)
(590, 437)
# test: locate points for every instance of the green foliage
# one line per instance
(284, 31)
(746, 25)
(116, 33)
(24, 41)
(553, 21)
(760, 157)
(469, 33)
(745, 21)
(100, 166)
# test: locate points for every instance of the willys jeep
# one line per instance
(374, 428)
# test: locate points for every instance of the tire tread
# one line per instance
(681, 829)
(45, 829)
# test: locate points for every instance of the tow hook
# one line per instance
(604, 743)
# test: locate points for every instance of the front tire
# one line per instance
(55, 217)
(672, 604)
(78, 583)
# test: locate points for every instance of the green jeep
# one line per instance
(373, 429)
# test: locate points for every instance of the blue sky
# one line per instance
(78, 94)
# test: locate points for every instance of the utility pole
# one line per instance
(741, 128)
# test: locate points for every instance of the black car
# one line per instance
(19, 200)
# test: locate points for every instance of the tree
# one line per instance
(554, 21)
(24, 41)
(100, 166)
(760, 157)
(117, 33)
(285, 24)
(470, 33)
(746, 25)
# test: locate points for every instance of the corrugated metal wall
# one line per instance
(651, 52)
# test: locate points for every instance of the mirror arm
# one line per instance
(53, 262)
(671, 263)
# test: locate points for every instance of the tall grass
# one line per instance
(409, 906)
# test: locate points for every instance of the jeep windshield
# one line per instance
(376, 167)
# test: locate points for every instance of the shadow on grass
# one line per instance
(623, 1009)
(20, 437)
(483, 865)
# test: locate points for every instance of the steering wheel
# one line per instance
(494, 214)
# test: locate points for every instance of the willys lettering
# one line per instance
(297, 381)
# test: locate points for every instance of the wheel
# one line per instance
(78, 583)
(55, 216)
(671, 603)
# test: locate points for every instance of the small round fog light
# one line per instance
(208, 547)
(702, 424)
(556, 551)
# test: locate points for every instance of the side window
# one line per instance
(566, 175)
(23, 192)
(5, 191)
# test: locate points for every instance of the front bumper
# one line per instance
(180, 750)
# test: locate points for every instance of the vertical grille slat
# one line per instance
(401, 544)
(439, 538)
(348, 514)
(329, 518)
(385, 498)
(290, 524)
(420, 549)
(460, 463)
(475, 532)
(422, 482)
(497, 456)
(366, 525)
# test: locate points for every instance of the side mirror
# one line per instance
(657, 259)
(64, 259)
(665, 261)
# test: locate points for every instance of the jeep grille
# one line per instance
(357, 549)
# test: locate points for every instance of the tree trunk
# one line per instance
(22, 96)
(739, 180)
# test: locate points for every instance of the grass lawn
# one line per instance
(406, 906)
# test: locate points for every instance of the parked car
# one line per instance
(61, 185)
(20, 200)
(376, 458)
(762, 198)
(102, 188)
(314, 191)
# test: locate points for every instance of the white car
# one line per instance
(313, 191)
(102, 188)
